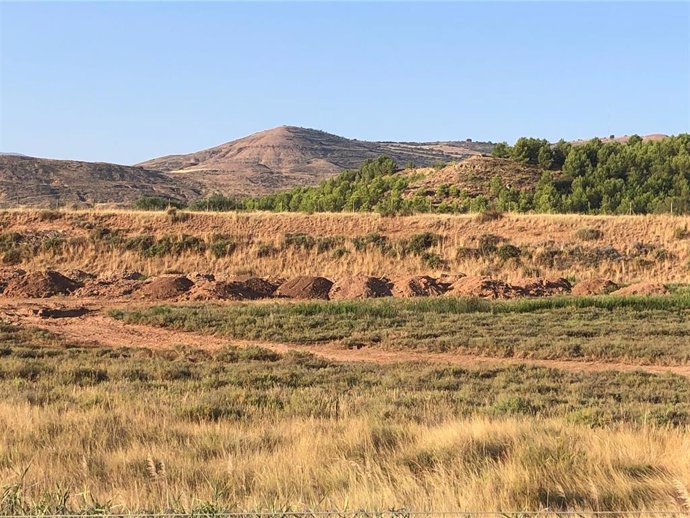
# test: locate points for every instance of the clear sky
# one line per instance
(124, 82)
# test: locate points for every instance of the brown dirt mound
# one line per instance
(360, 287)
(166, 287)
(305, 288)
(594, 287)
(485, 287)
(78, 275)
(222, 290)
(539, 287)
(41, 284)
(109, 288)
(643, 288)
(9, 274)
(263, 288)
(123, 275)
(418, 286)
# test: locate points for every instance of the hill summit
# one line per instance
(289, 156)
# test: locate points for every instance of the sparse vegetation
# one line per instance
(187, 429)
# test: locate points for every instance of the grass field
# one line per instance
(554, 403)
(651, 330)
(132, 429)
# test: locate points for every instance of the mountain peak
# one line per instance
(287, 156)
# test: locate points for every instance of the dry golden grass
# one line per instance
(536, 233)
(138, 460)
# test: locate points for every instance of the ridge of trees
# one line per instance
(594, 177)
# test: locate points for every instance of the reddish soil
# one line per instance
(360, 287)
(539, 287)
(306, 288)
(222, 290)
(41, 284)
(98, 330)
(594, 287)
(418, 286)
(643, 288)
(166, 287)
(484, 287)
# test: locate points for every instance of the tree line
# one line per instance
(594, 177)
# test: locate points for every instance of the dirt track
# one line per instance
(96, 329)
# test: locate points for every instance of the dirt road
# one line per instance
(96, 328)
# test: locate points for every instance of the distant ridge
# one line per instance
(289, 156)
(41, 182)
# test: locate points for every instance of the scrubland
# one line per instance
(511, 246)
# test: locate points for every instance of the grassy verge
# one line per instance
(653, 330)
(123, 429)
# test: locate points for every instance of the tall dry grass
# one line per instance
(537, 234)
(140, 461)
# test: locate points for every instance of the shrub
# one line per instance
(175, 216)
(49, 215)
(265, 251)
(222, 246)
(488, 243)
(589, 234)
(12, 257)
(508, 251)
(433, 260)
(156, 203)
(299, 240)
(418, 243)
(681, 233)
(486, 216)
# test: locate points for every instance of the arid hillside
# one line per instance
(624, 249)
(289, 156)
(40, 182)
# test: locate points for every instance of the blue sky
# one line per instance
(124, 82)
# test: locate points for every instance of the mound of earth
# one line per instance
(264, 288)
(418, 286)
(360, 287)
(594, 287)
(222, 290)
(305, 287)
(78, 275)
(539, 287)
(9, 274)
(643, 288)
(47, 283)
(484, 287)
(108, 288)
(166, 287)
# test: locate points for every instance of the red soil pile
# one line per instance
(166, 287)
(222, 290)
(360, 287)
(41, 284)
(9, 274)
(484, 287)
(418, 286)
(305, 288)
(539, 287)
(643, 288)
(594, 287)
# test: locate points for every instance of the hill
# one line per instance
(43, 182)
(288, 156)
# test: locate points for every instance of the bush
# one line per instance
(156, 203)
(508, 251)
(299, 240)
(418, 243)
(589, 234)
(433, 260)
(486, 216)
(488, 244)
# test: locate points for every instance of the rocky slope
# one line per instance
(40, 182)
(288, 156)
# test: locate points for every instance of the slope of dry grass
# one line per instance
(628, 248)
